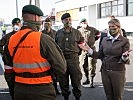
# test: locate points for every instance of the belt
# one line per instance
(69, 56)
(33, 75)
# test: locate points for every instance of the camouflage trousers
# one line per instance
(88, 64)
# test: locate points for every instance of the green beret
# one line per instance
(83, 20)
(66, 15)
(32, 9)
(16, 20)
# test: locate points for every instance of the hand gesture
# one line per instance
(84, 46)
(126, 54)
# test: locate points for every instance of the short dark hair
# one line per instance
(16, 20)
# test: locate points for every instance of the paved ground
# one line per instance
(88, 93)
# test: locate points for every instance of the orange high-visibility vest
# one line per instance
(28, 58)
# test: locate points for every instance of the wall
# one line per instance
(91, 14)
(126, 23)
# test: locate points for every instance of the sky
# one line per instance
(8, 8)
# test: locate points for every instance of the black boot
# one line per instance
(77, 98)
(86, 82)
(86, 74)
(58, 92)
(66, 97)
(56, 89)
(92, 84)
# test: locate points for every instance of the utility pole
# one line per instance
(17, 8)
(30, 2)
(37, 3)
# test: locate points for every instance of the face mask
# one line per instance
(84, 25)
(16, 28)
(34, 24)
(47, 26)
(113, 32)
(67, 24)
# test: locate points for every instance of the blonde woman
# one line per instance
(114, 53)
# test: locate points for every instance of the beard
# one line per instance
(67, 24)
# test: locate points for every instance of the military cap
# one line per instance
(66, 15)
(32, 9)
(16, 20)
(47, 20)
(83, 20)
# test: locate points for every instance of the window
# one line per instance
(83, 8)
(58, 15)
(112, 8)
(130, 7)
(73, 13)
(120, 10)
(105, 9)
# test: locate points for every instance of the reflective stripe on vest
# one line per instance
(28, 58)
(33, 68)
(46, 79)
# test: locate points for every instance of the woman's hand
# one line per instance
(126, 54)
(84, 46)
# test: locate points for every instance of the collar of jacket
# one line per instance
(65, 29)
(31, 26)
(119, 38)
(51, 30)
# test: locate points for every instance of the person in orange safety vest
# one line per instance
(31, 53)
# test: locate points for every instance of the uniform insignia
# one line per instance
(66, 39)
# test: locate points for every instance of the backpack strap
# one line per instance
(21, 40)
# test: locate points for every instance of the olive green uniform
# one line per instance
(90, 36)
(48, 50)
(68, 42)
(52, 34)
(3, 42)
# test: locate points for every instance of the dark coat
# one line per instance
(111, 53)
(4, 40)
(103, 34)
(68, 42)
(52, 33)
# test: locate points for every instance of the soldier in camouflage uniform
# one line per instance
(90, 35)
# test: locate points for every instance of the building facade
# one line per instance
(97, 12)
